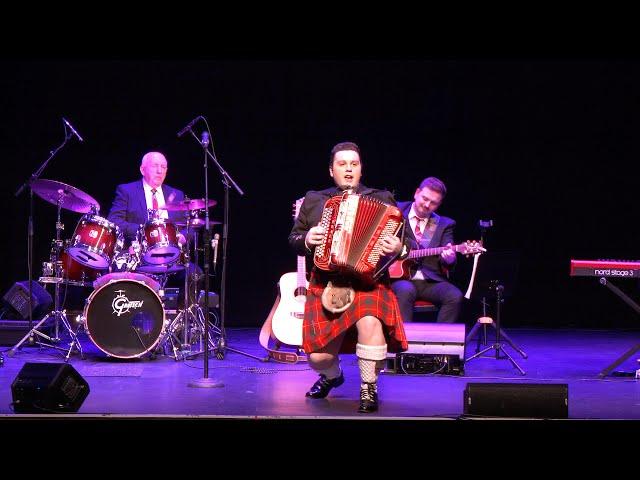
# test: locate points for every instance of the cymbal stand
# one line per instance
(58, 315)
(35, 176)
(200, 329)
(193, 330)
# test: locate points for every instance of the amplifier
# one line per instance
(433, 348)
(18, 298)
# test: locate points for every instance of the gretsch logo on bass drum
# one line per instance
(121, 304)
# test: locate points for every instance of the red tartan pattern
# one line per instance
(321, 326)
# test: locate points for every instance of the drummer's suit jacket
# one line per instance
(129, 209)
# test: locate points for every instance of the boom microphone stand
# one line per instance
(227, 181)
(32, 178)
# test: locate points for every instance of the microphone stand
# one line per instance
(205, 381)
(27, 184)
(227, 181)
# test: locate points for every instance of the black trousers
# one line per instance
(444, 294)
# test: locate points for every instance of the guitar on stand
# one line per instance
(284, 323)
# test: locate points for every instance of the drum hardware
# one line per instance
(185, 336)
(59, 316)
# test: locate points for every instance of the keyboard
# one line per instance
(605, 268)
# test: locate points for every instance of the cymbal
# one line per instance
(198, 223)
(160, 269)
(195, 204)
(70, 198)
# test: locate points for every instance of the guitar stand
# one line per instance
(635, 348)
(498, 346)
(485, 321)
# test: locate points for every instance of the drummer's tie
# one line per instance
(154, 199)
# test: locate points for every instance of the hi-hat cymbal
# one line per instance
(198, 223)
(69, 198)
(195, 204)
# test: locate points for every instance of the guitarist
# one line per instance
(429, 275)
(370, 321)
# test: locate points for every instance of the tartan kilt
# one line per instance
(320, 326)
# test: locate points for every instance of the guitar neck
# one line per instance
(430, 252)
(302, 271)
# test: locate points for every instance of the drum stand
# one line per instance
(192, 330)
(58, 315)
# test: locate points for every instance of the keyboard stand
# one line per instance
(632, 304)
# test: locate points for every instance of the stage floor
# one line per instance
(159, 388)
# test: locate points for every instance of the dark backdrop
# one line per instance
(547, 149)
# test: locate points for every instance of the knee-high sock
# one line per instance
(369, 356)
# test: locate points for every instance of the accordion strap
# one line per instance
(384, 267)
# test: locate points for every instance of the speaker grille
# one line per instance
(18, 298)
(524, 400)
(48, 388)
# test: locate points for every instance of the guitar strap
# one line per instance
(266, 333)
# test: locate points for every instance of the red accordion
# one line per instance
(353, 227)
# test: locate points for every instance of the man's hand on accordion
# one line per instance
(391, 245)
(314, 236)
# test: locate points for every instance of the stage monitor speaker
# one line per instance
(18, 298)
(524, 400)
(48, 388)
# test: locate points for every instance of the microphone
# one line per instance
(73, 130)
(189, 126)
(205, 139)
(214, 245)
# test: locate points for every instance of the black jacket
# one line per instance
(431, 266)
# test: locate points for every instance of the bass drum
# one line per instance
(124, 317)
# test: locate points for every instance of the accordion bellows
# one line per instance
(353, 226)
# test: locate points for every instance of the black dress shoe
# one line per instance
(368, 398)
(323, 386)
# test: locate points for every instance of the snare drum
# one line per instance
(95, 241)
(124, 317)
(159, 242)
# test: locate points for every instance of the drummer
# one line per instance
(133, 200)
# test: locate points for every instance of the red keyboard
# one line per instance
(605, 268)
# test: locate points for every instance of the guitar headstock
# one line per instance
(296, 207)
(471, 247)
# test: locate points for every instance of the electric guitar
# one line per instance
(401, 268)
(287, 319)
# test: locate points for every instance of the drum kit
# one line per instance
(125, 315)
